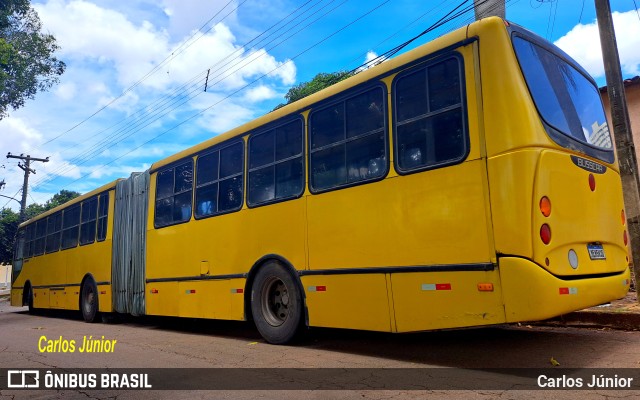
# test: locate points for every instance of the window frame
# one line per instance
(29, 240)
(62, 248)
(217, 148)
(105, 216)
(37, 238)
(424, 65)
(247, 170)
(342, 98)
(80, 242)
(58, 232)
(173, 167)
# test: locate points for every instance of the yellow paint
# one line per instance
(483, 210)
(531, 293)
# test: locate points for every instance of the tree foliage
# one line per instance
(9, 221)
(319, 82)
(27, 64)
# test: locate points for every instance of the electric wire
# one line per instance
(119, 135)
(236, 91)
(153, 71)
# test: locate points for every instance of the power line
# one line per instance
(147, 75)
(237, 91)
(127, 131)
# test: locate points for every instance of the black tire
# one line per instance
(89, 301)
(29, 301)
(276, 304)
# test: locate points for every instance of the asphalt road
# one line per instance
(186, 343)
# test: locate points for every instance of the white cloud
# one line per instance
(107, 47)
(583, 44)
(85, 30)
(260, 93)
(185, 15)
(66, 91)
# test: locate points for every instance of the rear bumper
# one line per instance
(532, 293)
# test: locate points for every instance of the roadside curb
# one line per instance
(596, 319)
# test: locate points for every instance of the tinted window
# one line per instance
(173, 194)
(220, 181)
(276, 164)
(566, 99)
(29, 245)
(88, 221)
(70, 225)
(103, 214)
(429, 116)
(40, 237)
(54, 228)
(348, 141)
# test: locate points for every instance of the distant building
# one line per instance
(632, 92)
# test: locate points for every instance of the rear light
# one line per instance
(592, 182)
(545, 233)
(545, 206)
(623, 217)
(625, 237)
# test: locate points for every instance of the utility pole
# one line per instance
(489, 8)
(26, 167)
(621, 131)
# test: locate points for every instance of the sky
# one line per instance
(134, 89)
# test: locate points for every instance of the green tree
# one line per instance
(8, 229)
(60, 198)
(9, 221)
(319, 82)
(27, 64)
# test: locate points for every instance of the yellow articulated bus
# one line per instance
(469, 182)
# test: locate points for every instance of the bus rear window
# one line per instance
(566, 99)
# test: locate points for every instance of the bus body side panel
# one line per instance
(429, 300)
(207, 251)
(437, 217)
(348, 301)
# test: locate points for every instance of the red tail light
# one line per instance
(545, 233)
(592, 182)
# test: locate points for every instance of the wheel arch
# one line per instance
(252, 274)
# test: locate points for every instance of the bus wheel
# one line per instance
(32, 309)
(276, 304)
(89, 301)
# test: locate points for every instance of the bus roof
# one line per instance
(78, 199)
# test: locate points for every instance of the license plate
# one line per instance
(596, 252)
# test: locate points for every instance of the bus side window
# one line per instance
(429, 116)
(40, 237)
(174, 187)
(54, 229)
(70, 225)
(276, 164)
(88, 221)
(103, 214)
(220, 180)
(348, 141)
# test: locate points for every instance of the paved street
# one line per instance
(169, 342)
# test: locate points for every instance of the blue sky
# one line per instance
(110, 46)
